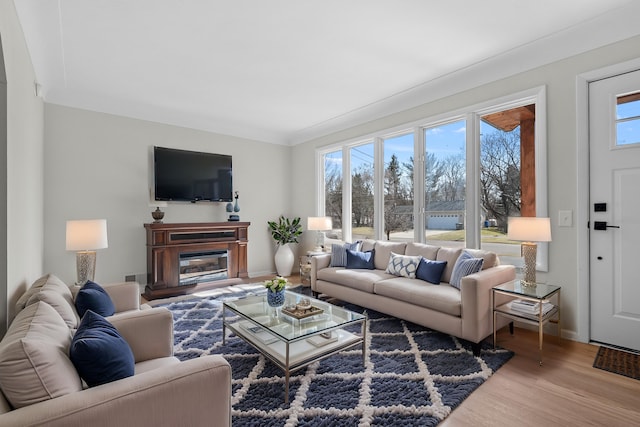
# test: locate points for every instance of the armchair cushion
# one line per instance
(34, 365)
(93, 297)
(99, 352)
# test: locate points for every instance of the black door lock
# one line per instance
(602, 225)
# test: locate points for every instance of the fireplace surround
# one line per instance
(183, 258)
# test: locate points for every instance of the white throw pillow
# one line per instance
(403, 265)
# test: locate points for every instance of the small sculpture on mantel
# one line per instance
(236, 208)
(157, 215)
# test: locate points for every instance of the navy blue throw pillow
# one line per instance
(431, 271)
(93, 297)
(363, 260)
(98, 351)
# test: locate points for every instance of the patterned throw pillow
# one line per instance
(339, 253)
(464, 266)
(431, 271)
(362, 260)
(403, 265)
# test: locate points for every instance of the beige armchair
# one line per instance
(163, 390)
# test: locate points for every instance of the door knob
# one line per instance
(602, 225)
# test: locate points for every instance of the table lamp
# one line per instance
(319, 224)
(529, 230)
(84, 237)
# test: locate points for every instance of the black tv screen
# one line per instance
(192, 176)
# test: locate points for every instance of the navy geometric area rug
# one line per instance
(412, 376)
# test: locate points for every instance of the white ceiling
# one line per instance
(285, 71)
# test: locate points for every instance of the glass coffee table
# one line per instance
(293, 341)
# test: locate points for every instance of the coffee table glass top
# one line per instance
(289, 328)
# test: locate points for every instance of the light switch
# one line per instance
(565, 218)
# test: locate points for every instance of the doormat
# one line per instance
(618, 361)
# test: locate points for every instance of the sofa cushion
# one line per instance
(34, 365)
(383, 252)
(422, 249)
(99, 352)
(430, 271)
(403, 265)
(362, 280)
(451, 256)
(339, 253)
(361, 260)
(93, 297)
(47, 279)
(60, 300)
(442, 298)
(465, 265)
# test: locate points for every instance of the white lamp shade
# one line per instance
(529, 229)
(319, 223)
(87, 234)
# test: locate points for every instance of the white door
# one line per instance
(614, 143)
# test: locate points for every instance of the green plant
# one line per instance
(276, 284)
(285, 230)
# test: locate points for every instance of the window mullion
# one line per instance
(419, 185)
(473, 209)
(378, 191)
(346, 194)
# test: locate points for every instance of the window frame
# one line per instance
(471, 115)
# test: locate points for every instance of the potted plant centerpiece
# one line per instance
(275, 291)
(285, 231)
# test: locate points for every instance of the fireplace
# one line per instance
(184, 258)
(198, 267)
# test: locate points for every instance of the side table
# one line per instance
(539, 294)
(305, 266)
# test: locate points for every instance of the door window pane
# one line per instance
(445, 184)
(628, 119)
(398, 188)
(362, 189)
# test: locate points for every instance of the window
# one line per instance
(362, 191)
(332, 166)
(398, 188)
(507, 175)
(445, 183)
(451, 180)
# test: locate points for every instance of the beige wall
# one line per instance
(560, 80)
(98, 166)
(22, 170)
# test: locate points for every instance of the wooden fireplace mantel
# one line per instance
(165, 243)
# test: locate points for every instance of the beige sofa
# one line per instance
(464, 313)
(40, 385)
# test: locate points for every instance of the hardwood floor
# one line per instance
(565, 391)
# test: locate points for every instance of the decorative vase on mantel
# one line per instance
(284, 260)
(275, 298)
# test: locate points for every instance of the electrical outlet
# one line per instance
(565, 218)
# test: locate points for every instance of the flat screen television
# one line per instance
(192, 176)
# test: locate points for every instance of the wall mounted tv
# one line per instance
(192, 176)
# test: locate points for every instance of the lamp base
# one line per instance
(85, 266)
(529, 252)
